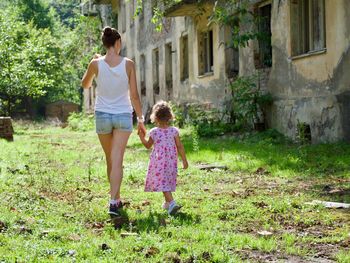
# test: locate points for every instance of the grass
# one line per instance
(54, 195)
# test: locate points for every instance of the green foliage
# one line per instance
(27, 59)
(303, 133)
(45, 47)
(248, 100)
(205, 122)
(180, 116)
(270, 136)
(236, 15)
(81, 121)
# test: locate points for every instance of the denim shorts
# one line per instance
(106, 122)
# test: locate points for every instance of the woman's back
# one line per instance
(112, 91)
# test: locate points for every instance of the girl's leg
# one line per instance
(119, 141)
(106, 142)
(170, 205)
(168, 197)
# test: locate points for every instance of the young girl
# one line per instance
(162, 169)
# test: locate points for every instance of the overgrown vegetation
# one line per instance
(45, 46)
(255, 211)
(81, 121)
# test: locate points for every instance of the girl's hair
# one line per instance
(109, 36)
(162, 112)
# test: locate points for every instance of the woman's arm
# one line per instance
(89, 75)
(181, 151)
(134, 94)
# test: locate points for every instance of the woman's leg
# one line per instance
(106, 142)
(119, 141)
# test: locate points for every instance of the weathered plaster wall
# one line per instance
(142, 39)
(313, 89)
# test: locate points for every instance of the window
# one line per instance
(155, 70)
(123, 14)
(143, 75)
(169, 71)
(184, 58)
(307, 26)
(265, 48)
(205, 52)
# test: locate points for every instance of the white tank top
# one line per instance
(112, 91)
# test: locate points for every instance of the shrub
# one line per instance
(81, 121)
(248, 101)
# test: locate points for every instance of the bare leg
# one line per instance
(119, 141)
(168, 197)
(106, 142)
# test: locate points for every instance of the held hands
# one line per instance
(141, 129)
(141, 134)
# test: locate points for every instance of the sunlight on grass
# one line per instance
(54, 196)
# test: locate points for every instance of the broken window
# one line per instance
(123, 14)
(155, 70)
(265, 48)
(169, 70)
(307, 26)
(184, 58)
(143, 75)
(205, 52)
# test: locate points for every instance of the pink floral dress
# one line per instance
(162, 168)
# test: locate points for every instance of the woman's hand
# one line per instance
(141, 128)
(97, 56)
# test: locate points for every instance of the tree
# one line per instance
(27, 60)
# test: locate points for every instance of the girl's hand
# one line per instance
(141, 134)
(185, 164)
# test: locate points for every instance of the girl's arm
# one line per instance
(89, 75)
(147, 143)
(181, 151)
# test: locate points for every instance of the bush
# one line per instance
(248, 101)
(270, 136)
(81, 121)
(205, 122)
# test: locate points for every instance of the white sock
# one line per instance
(114, 201)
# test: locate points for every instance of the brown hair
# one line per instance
(109, 36)
(162, 112)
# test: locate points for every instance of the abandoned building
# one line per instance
(304, 66)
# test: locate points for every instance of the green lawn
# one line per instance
(54, 197)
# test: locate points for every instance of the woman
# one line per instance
(116, 95)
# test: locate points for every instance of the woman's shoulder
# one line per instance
(128, 59)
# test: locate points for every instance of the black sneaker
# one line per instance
(114, 209)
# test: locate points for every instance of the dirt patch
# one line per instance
(276, 256)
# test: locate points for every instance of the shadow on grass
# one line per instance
(154, 221)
